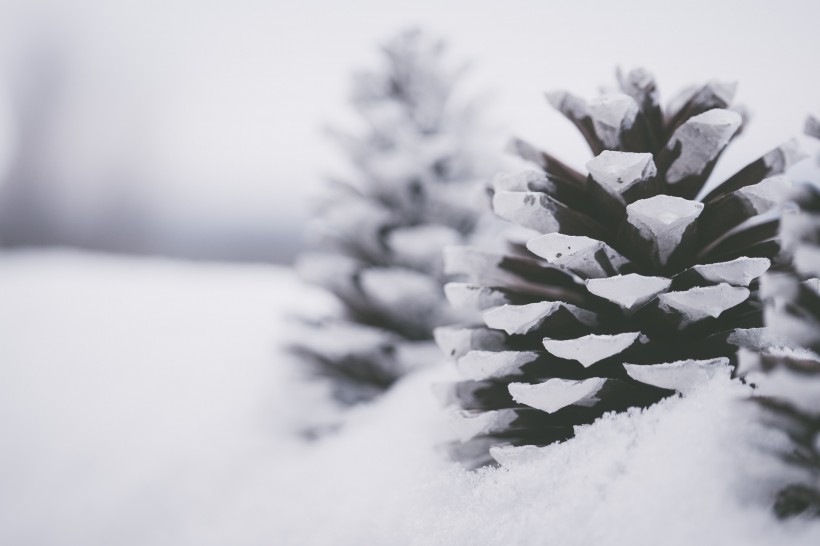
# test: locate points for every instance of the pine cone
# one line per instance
(791, 367)
(416, 162)
(633, 287)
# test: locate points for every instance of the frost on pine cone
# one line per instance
(632, 288)
(417, 161)
(789, 372)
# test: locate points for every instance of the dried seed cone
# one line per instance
(789, 372)
(416, 161)
(636, 284)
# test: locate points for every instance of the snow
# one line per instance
(134, 393)
(456, 341)
(664, 218)
(555, 394)
(522, 319)
(571, 106)
(533, 210)
(486, 268)
(144, 402)
(764, 195)
(405, 292)
(701, 302)
(468, 425)
(628, 291)
(462, 295)
(702, 138)
(738, 272)
(682, 376)
(683, 472)
(524, 181)
(612, 114)
(619, 171)
(419, 247)
(579, 254)
(480, 365)
(592, 348)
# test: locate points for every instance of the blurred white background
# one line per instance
(193, 128)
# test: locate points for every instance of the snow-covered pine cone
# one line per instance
(636, 287)
(791, 375)
(416, 162)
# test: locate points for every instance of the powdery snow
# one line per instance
(687, 471)
(142, 402)
(134, 392)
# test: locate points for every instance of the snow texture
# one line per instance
(663, 220)
(472, 296)
(611, 114)
(681, 376)
(554, 394)
(592, 348)
(489, 364)
(628, 291)
(522, 319)
(456, 341)
(738, 272)
(703, 301)
(619, 171)
(579, 254)
(141, 404)
(686, 471)
(762, 196)
(136, 396)
(701, 140)
(530, 209)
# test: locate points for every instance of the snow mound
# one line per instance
(144, 402)
(691, 470)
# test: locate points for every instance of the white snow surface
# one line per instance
(145, 402)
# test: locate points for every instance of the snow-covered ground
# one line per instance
(135, 393)
(146, 402)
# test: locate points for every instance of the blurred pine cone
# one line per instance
(417, 162)
(788, 373)
(637, 282)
